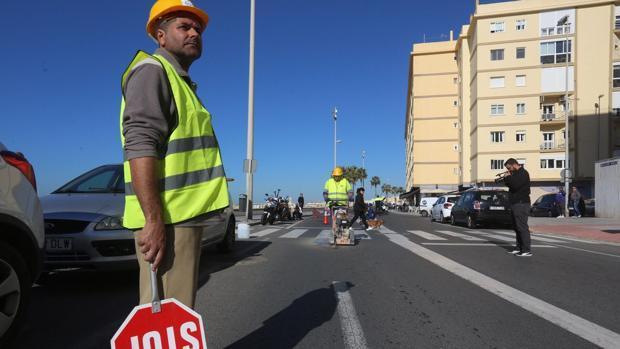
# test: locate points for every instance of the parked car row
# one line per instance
(473, 208)
(546, 206)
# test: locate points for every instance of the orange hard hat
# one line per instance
(337, 172)
(161, 8)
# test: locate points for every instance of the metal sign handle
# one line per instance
(156, 303)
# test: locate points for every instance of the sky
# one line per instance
(63, 60)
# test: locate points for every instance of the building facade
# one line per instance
(512, 67)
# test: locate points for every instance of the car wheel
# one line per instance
(228, 244)
(452, 220)
(15, 287)
(441, 219)
(471, 222)
(432, 219)
(424, 213)
(549, 213)
(263, 219)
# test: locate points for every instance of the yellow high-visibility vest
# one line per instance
(338, 192)
(191, 173)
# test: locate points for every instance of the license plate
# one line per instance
(58, 244)
(497, 208)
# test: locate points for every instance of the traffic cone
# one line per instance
(325, 215)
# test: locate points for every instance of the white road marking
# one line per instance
(493, 236)
(581, 327)
(533, 237)
(476, 244)
(323, 237)
(353, 335)
(425, 235)
(294, 225)
(264, 232)
(579, 240)
(294, 234)
(459, 235)
(361, 235)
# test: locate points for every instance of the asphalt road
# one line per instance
(439, 287)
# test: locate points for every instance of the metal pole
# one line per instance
(567, 164)
(250, 145)
(335, 114)
(363, 166)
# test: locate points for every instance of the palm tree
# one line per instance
(375, 181)
(351, 173)
(362, 175)
(386, 189)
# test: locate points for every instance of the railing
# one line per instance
(548, 117)
(551, 145)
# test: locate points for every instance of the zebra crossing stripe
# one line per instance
(459, 235)
(493, 236)
(425, 235)
(533, 237)
(293, 234)
(323, 237)
(265, 232)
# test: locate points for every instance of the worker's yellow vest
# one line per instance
(191, 175)
(338, 192)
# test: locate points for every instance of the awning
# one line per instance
(410, 194)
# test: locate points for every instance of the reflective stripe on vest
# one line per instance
(192, 180)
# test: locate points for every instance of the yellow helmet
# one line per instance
(337, 172)
(163, 7)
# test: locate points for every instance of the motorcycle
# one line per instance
(270, 210)
(297, 214)
(284, 212)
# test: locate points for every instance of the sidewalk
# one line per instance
(599, 229)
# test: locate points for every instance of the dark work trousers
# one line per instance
(362, 216)
(520, 214)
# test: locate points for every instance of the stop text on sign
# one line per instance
(155, 340)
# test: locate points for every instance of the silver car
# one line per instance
(83, 224)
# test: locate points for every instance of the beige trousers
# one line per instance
(177, 276)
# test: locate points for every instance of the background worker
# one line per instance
(518, 181)
(360, 208)
(174, 176)
(337, 192)
(301, 201)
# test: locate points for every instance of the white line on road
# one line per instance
(323, 237)
(425, 235)
(476, 244)
(493, 236)
(294, 225)
(294, 234)
(579, 326)
(265, 232)
(533, 237)
(459, 235)
(353, 335)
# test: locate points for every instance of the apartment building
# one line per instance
(515, 62)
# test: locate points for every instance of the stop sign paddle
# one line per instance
(167, 324)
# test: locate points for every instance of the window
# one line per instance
(520, 80)
(561, 30)
(497, 27)
(497, 109)
(548, 140)
(497, 55)
(455, 103)
(520, 52)
(521, 162)
(520, 136)
(617, 21)
(555, 52)
(497, 136)
(616, 75)
(520, 108)
(521, 24)
(497, 164)
(497, 82)
(551, 163)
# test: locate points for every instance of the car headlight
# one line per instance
(110, 223)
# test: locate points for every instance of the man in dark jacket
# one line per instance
(301, 201)
(518, 181)
(360, 208)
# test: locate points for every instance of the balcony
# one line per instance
(553, 118)
(551, 147)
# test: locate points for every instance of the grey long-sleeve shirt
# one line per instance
(150, 112)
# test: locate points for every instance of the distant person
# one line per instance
(517, 179)
(559, 201)
(575, 197)
(359, 209)
(301, 201)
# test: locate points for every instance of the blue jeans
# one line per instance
(576, 207)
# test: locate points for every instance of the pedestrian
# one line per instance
(559, 201)
(301, 201)
(575, 197)
(518, 181)
(174, 176)
(359, 209)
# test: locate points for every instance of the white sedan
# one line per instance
(442, 209)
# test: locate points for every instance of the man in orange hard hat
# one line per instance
(337, 192)
(174, 176)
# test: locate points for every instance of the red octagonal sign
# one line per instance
(175, 327)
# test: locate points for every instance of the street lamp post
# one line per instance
(363, 165)
(335, 115)
(567, 164)
(250, 165)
